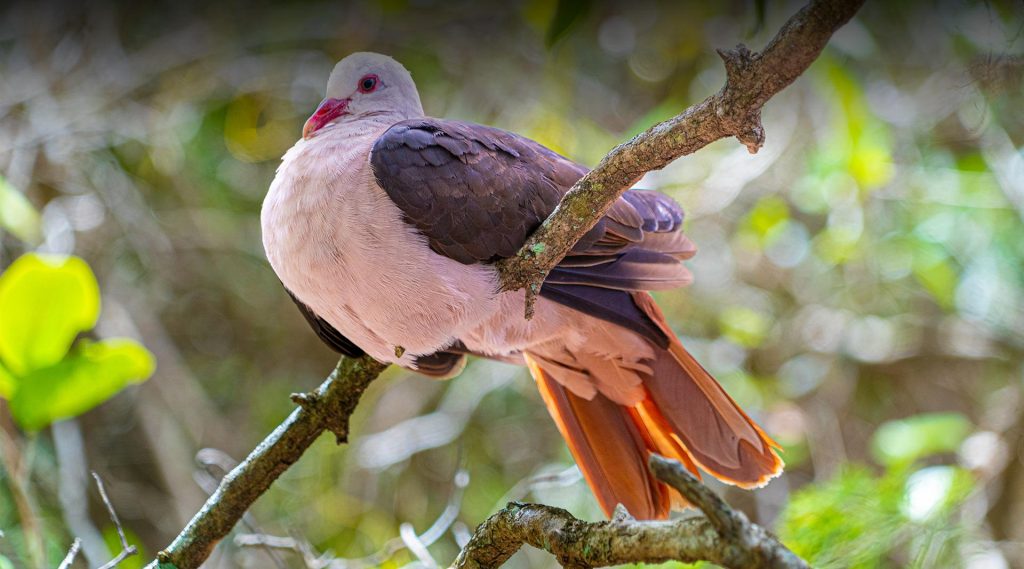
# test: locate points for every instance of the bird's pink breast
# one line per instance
(340, 245)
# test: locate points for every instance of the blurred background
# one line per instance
(859, 287)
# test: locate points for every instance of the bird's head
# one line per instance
(365, 84)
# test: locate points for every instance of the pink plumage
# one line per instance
(384, 226)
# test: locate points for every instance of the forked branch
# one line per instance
(752, 79)
(723, 536)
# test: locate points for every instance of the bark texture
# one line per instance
(735, 110)
(724, 537)
(326, 409)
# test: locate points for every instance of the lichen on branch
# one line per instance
(735, 110)
(723, 536)
(326, 409)
(752, 79)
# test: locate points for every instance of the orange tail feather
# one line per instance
(608, 446)
(683, 414)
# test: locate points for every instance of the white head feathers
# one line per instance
(375, 84)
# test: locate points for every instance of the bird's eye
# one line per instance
(368, 84)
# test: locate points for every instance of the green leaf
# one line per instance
(91, 374)
(567, 13)
(45, 301)
(6, 563)
(17, 214)
(909, 439)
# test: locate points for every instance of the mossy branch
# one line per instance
(326, 409)
(752, 79)
(735, 110)
(723, 536)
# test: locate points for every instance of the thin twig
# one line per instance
(121, 556)
(126, 549)
(110, 509)
(328, 408)
(407, 540)
(72, 553)
(752, 79)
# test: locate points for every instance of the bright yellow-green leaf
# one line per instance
(17, 215)
(909, 439)
(6, 563)
(744, 326)
(45, 301)
(91, 374)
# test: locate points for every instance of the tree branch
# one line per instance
(328, 408)
(725, 537)
(752, 79)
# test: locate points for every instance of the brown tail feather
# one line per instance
(683, 414)
(660, 439)
(720, 437)
(608, 446)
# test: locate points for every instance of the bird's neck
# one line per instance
(386, 117)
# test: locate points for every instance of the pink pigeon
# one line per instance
(384, 226)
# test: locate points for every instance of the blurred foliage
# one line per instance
(896, 519)
(45, 303)
(17, 214)
(905, 517)
(906, 440)
(859, 286)
(567, 13)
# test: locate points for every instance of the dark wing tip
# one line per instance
(327, 333)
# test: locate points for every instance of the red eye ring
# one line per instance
(368, 83)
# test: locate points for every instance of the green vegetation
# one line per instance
(45, 303)
(858, 287)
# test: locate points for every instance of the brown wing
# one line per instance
(478, 192)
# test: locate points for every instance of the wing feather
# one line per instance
(478, 192)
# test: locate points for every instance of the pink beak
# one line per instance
(329, 110)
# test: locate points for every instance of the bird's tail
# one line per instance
(683, 414)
